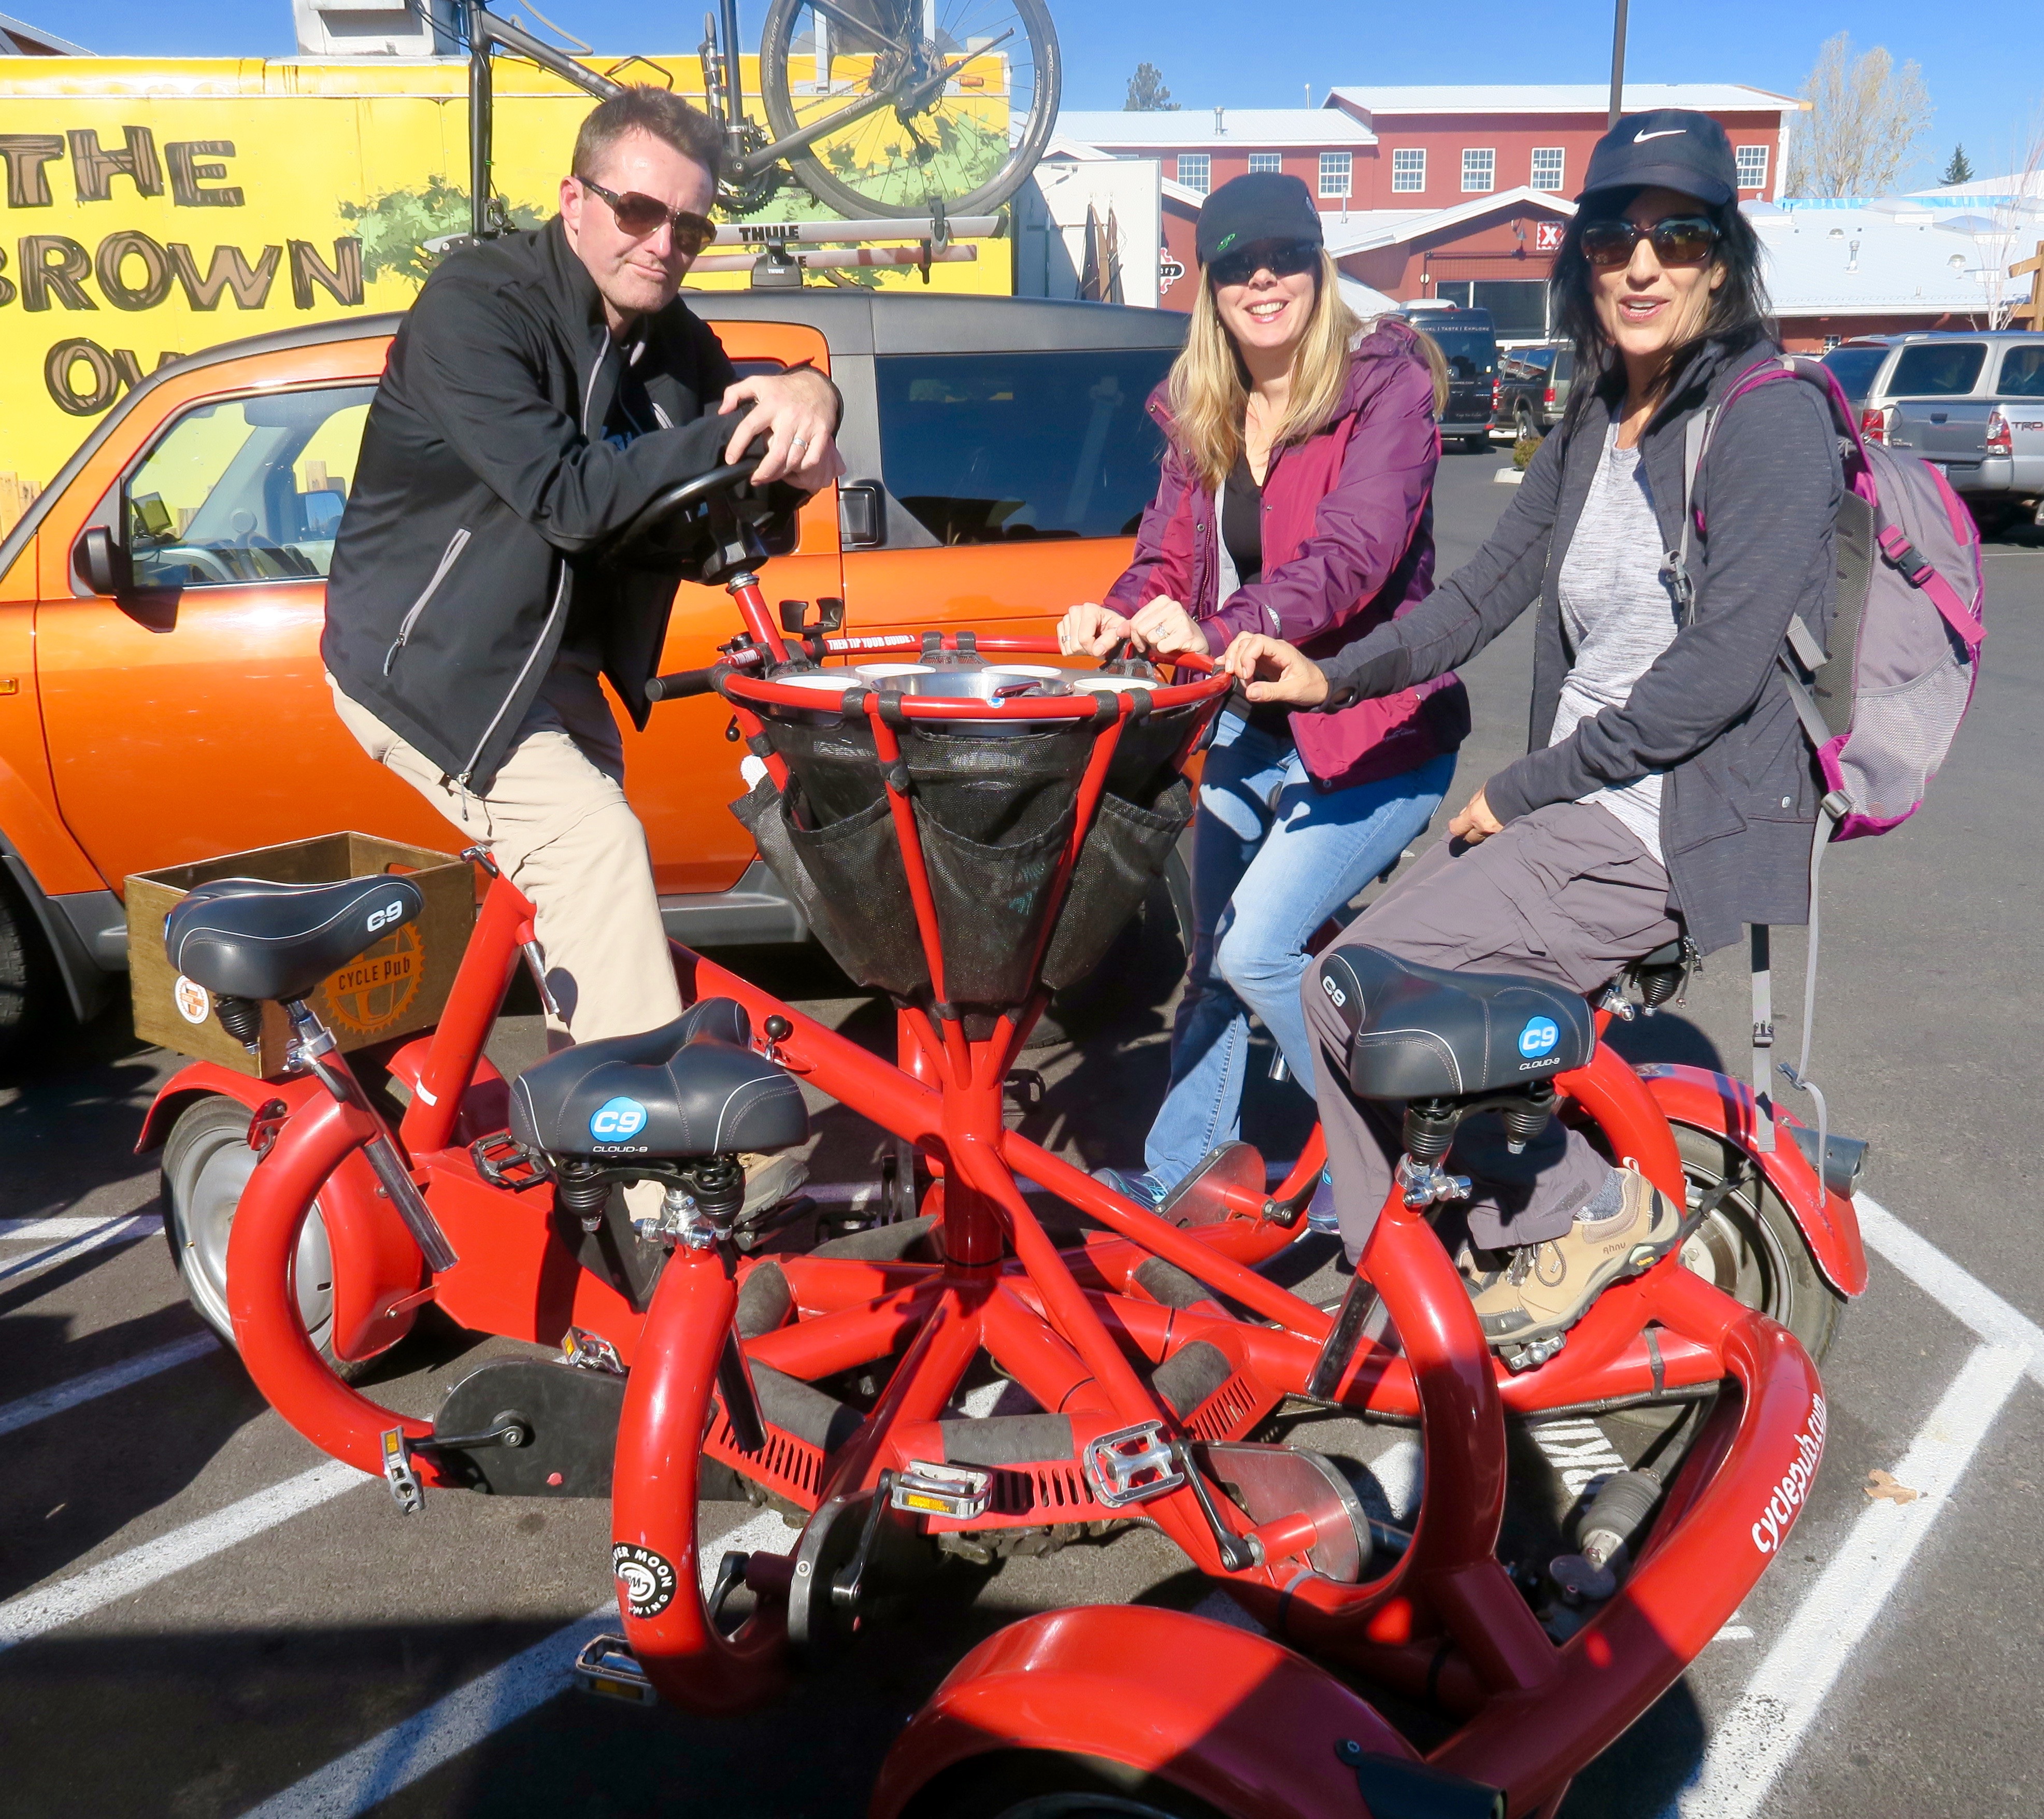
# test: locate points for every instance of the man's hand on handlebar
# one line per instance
(794, 418)
(1272, 670)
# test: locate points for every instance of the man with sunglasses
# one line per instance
(543, 388)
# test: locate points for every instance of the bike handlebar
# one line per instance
(681, 494)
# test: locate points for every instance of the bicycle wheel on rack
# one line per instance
(967, 140)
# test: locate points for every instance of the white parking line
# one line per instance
(370, 1774)
(1749, 1747)
(62, 1225)
(95, 1383)
(36, 1613)
(1962, 1292)
(122, 1230)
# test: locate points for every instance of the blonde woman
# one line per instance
(1295, 501)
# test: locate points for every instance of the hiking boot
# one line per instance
(1547, 1287)
(769, 1179)
(1321, 1214)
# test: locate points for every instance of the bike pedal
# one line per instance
(607, 1667)
(402, 1482)
(963, 1491)
(1533, 1355)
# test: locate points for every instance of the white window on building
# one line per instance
(1752, 161)
(1196, 170)
(1271, 162)
(1547, 168)
(1409, 170)
(1479, 170)
(1337, 170)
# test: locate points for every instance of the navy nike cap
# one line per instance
(1669, 147)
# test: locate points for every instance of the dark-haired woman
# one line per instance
(1668, 790)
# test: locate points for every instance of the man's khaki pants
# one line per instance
(556, 821)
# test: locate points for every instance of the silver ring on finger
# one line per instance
(800, 442)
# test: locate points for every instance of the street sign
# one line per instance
(1547, 236)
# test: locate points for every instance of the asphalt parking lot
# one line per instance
(200, 1617)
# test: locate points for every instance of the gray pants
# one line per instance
(1566, 895)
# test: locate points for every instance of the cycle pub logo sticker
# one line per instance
(194, 1002)
(369, 994)
(647, 1578)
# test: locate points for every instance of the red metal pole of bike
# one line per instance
(477, 994)
(743, 588)
(262, 1249)
(653, 1505)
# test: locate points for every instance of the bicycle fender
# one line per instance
(1716, 1103)
(376, 1263)
(1230, 1716)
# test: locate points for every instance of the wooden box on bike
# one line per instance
(399, 986)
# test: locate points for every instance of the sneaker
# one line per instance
(1321, 1208)
(1138, 1185)
(771, 1179)
(1546, 1288)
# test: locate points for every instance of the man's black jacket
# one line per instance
(484, 485)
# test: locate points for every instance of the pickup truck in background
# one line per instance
(1972, 405)
(1531, 390)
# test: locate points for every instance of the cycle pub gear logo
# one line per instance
(370, 993)
(194, 1003)
(648, 1578)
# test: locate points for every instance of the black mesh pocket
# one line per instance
(1123, 854)
(853, 864)
(991, 903)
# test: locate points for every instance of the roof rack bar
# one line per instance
(904, 255)
(818, 233)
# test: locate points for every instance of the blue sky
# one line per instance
(1976, 60)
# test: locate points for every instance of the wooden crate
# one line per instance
(399, 986)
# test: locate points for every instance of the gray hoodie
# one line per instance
(1740, 798)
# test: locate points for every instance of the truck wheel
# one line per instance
(207, 1162)
(29, 988)
(1523, 424)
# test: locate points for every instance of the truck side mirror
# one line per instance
(103, 565)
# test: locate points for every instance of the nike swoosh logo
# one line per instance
(1665, 132)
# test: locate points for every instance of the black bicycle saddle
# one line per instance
(692, 1087)
(1423, 1032)
(243, 937)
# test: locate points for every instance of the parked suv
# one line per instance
(1531, 389)
(999, 459)
(1970, 404)
(1468, 340)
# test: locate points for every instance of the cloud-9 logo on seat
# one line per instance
(1539, 1036)
(618, 1120)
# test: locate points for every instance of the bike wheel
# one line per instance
(967, 143)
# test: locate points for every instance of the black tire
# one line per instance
(31, 993)
(1523, 428)
(1033, 18)
(1751, 1247)
(1477, 444)
(206, 1164)
(1047, 1784)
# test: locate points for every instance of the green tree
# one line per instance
(395, 227)
(1960, 170)
(1147, 92)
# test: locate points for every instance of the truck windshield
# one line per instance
(1854, 368)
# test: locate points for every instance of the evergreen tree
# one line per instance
(1960, 170)
(1147, 92)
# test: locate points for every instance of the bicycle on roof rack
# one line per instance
(966, 826)
(887, 108)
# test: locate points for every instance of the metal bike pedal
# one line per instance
(1131, 1464)
(1532, 1355)
(590, 1351)
(502, 1161)
(963, 1491)
(607, 1667)
(405, 1489)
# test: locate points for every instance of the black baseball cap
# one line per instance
(1669, 147)
(1265, 205)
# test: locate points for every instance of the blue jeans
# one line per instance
(1273, 858)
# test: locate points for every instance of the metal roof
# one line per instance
(1316, 127)
(39, 42)
(1561, 97)
(1364, 230)
(1845, 262)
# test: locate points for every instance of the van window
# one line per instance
(1471, 353)
(2023, 372)
(1854, 368)
(248, 490)
(1009, 447)
(1937, 369)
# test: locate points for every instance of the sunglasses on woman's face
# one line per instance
(1281, 259)
(639, 216)
(1680, 240)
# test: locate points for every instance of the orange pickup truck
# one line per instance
(999, 458)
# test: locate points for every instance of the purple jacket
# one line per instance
(1348, 544)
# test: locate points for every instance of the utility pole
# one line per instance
(1617, 64)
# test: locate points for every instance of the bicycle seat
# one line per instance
(244, 937)
(692, 1087)
(1423, 1032)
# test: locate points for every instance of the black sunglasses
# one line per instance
(640, 215)
(1680, 240)
(1286, 259)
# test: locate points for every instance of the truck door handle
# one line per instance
(1938, 415)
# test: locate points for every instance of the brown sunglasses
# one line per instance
(1677, 239)
(640, 215)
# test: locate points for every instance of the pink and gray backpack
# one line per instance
(1881, 704)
